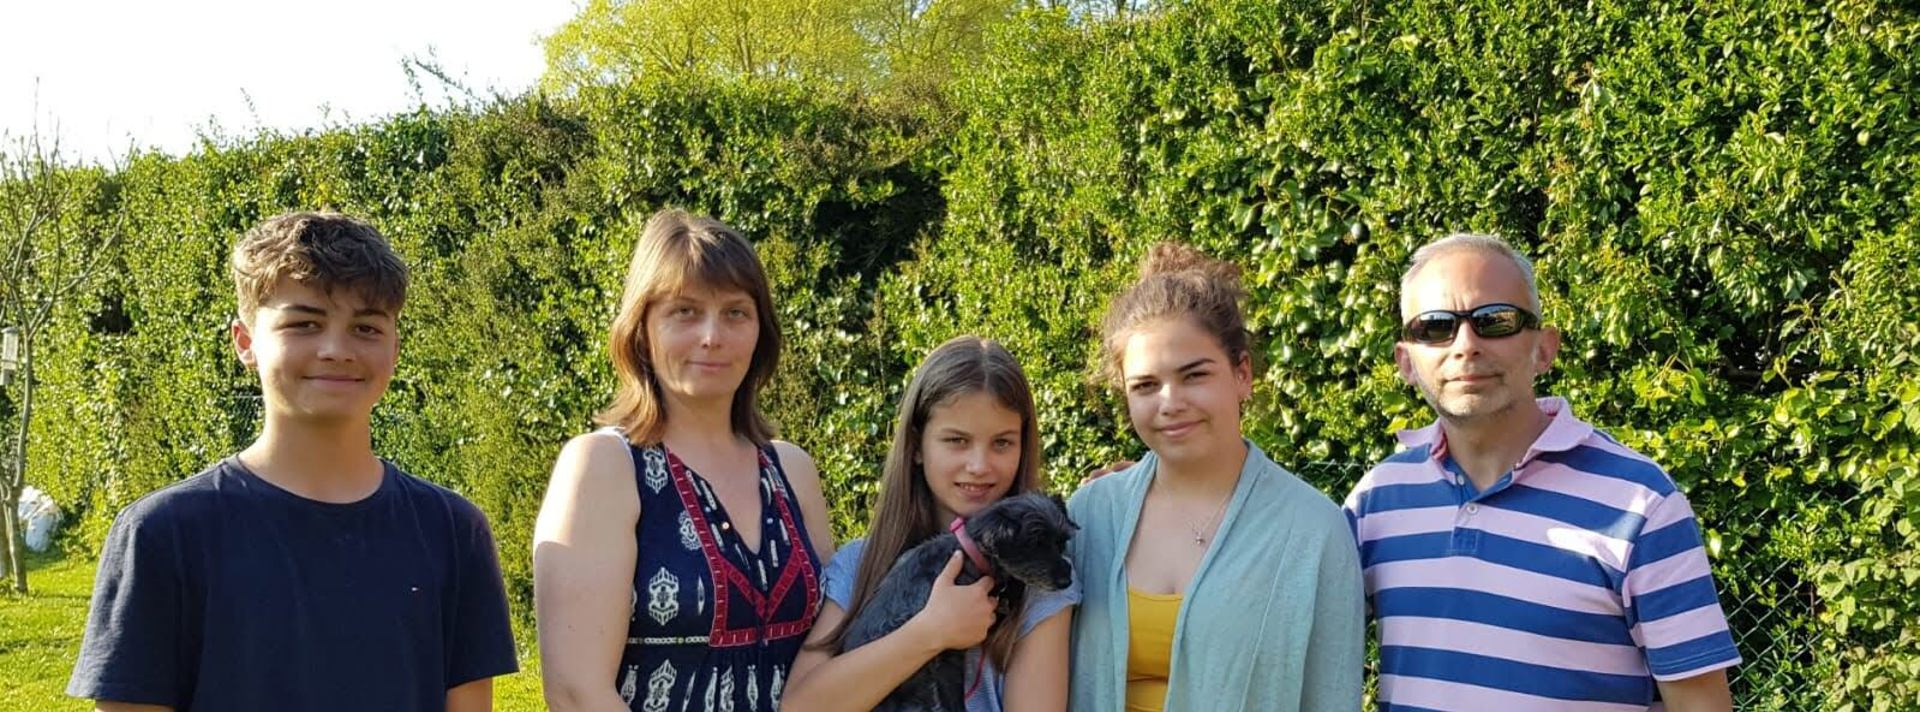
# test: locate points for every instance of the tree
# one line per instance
(860, 43)
(54, 238)
(612, 40)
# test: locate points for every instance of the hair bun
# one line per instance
(1180, 282)
(1172, 258)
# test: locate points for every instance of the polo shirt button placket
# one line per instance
(1465, 540)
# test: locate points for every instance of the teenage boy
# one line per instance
(304, 573)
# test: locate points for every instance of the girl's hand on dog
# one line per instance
(956, 617)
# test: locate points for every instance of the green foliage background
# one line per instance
(1720, 198)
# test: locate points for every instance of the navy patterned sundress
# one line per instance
(715, 625)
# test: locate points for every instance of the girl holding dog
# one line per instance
(1214, 579)
(673, 560)
(966, 436)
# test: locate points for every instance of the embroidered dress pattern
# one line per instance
(659, 686)
(656, 469)
(627, 685)
(663, 596)
(716, 607)
(689, 538)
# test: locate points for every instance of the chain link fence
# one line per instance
(1761, 566)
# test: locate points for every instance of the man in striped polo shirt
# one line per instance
(1516, 558)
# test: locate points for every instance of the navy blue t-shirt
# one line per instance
(224, 592)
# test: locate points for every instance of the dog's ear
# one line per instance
(989, 525)
(1062, 505)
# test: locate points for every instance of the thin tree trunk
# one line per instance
(11, 502)
(14, 560)
(19, 473)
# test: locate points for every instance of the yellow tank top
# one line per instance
(1150, 621)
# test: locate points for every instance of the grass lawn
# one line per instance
(40, 634)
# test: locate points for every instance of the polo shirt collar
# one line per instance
(1564, 432)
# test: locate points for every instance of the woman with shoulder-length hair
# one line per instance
(1212, 578)
(673, 561)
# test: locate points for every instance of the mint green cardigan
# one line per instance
(1273, 620)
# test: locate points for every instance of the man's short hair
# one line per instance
(325, 250)
(1480, 242)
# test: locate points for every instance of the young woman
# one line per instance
(965, 437)
(673, 561)
(1214, 579)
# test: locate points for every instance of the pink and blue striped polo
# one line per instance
(1572, 584)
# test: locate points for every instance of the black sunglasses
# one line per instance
(1491, 321)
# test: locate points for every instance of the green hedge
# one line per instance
(1721, 200)
(518, 221)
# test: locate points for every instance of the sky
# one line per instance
(107, 74)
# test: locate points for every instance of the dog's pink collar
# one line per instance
(959, 529)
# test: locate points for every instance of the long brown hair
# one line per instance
(677, 251)
(905, 516)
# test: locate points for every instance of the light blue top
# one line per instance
(837, 584)
(1273, 620)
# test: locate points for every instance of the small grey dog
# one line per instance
(1022, 540)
